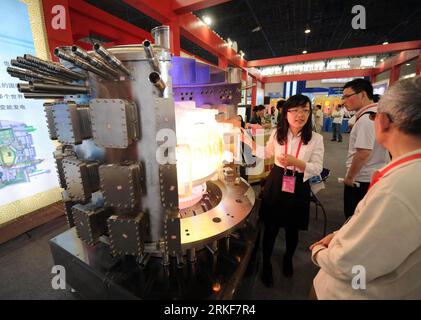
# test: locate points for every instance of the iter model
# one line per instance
(146, 155)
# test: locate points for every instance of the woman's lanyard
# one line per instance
(298, 151)
(288, 182)
(380, 174)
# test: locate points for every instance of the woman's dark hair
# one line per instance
(295, 101)
(280, 104)
(258, 108)
(243, 124)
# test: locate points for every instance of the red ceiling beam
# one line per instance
(255, 74)
(244, 76)
(222, 63)
(199, 33)
(198, 58)
(160, 10)
(190, 27)
(186, 6)
(418, 70)
(394, 74)
(254, 93)
(87, 19)
(401, 58)
(320, 75)
(400, 46)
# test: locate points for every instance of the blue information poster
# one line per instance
(27, 166)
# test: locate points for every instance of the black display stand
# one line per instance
(94, 274)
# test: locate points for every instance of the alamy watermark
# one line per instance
(359, 281)
(58, 22)
(59, 280)
(359, 20)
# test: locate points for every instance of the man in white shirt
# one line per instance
(377, 254)
(364, 155)
(338, 116)
(319, 118)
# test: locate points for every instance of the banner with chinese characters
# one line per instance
(27, 169)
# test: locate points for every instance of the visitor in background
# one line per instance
(319, 118)
(338, 116)
(258, 113)
(365, 156)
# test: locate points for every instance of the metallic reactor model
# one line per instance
(147, 160)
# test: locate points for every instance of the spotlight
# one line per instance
(207, 20)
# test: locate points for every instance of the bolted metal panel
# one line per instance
(48, 108)
(114, 122)
(169, 199)
(121, 185)
(71, 123)
(209, 94)
(127, 234)
(90, 222)
(172, 233)
(81, 178)
(59, 155)
(168, 186)
(68, 204)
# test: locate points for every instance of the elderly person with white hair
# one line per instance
(377, 254)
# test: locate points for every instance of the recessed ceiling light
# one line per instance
(305, 51)
(308, 30)
(207, 20)
(408, 64)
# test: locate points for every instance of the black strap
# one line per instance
(366, 112)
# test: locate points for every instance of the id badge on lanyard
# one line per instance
(288, 182)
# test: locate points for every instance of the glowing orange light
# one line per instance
(216, 287)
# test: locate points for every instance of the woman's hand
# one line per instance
(324, 242)
(288, 160)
